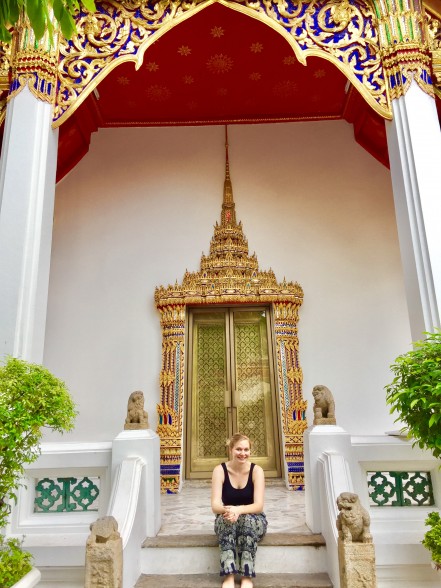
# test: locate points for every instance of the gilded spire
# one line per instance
(228, 273)
(228, 216)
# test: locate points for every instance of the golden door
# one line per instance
(230, 388)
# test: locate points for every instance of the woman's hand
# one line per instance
(231, 514)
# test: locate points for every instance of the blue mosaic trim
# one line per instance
(296, 467)
(170, 470)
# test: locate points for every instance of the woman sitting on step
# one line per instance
(237, 494)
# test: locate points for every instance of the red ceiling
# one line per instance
(220, 66)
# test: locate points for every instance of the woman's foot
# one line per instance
(246, 583)
(229, 581)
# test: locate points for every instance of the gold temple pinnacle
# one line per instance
(228, 216)
(229, 274)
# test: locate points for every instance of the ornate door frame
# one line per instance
(229, 276)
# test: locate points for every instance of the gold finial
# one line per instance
(228, 216)
(227, 162)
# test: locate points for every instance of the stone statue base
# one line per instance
(135, 426)
(324, 421)
(357, 565)
(104, 556)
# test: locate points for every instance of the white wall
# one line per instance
(139, 209)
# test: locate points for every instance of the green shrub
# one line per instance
(432, 538)
(14, 563)
(30, 398)
(415, 392)
(415, 395)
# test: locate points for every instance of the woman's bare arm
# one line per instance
(217, 481)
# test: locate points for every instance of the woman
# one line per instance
(237, 494)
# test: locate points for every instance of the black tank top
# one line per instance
(237, 496)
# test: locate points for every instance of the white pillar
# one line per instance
(414, 141)
(27, 190)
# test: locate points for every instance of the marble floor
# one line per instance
(189, 511)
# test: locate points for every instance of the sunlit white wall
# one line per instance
(139, 209)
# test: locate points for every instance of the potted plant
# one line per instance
(415, 395)
(31, 397)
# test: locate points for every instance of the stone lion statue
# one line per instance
(137, 418)
(353, 521)
(324, 406)
(103, 530)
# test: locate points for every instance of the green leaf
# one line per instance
(37, 17)
(58, 8)
(67, 24)
(90, 5)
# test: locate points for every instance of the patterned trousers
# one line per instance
(238, 543)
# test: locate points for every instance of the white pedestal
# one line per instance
(317, 440)
(145, 445)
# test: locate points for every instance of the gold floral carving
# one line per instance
(341, 32)
(433, 31)
(404, 64)
(5, 77)
(171, 382)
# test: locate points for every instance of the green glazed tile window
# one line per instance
(66, 494)
(400, 488)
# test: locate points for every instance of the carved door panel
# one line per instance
(230, 388)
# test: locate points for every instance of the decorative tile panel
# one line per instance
(400, 488)
(66, 494)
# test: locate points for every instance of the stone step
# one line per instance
(294, 553)
(320, 580)
(210, 540)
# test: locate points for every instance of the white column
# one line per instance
(414, 141)
(27, 190)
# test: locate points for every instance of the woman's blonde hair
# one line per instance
(235, 439)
